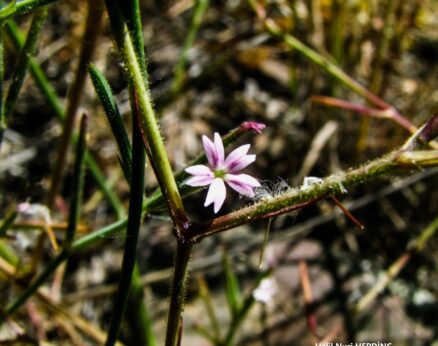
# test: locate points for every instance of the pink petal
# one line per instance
(199, 170)
(214, 151)
(199, 180)
(202, 175)
(219, 148)
(242, 183)
(216, 194)
(235, 156)
(235, 164)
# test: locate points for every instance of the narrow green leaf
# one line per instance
(247, 304)
(265, 241)
(198, 12)
(22, 64)
(77, 186)
(114, 118)
(144, 320)
(2, 114)
(132, 231)
(7, 222)
(9, 9)
(232, 289)
(24, 6)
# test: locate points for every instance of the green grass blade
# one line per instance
(22, 64)
(133, 228)
(232, 289)
(21, 7)
(114, 118)
(198, 12)
(2, 70)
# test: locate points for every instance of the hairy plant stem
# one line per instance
(393, 163)
(178, 292)
(147, 119)
(336, 184)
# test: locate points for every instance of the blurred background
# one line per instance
(236, 71)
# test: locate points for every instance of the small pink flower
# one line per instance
(222, 170)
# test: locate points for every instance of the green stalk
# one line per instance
(178, 292)
(336, 184)
(75, 203)
(23, 60)
(148, 122)
(89, 41)
(54, 102)
(134, 220)
(198, 12)
(113, 115)
(21, 7)
(132, 16)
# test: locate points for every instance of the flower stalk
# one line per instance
(148, 122)
(178, 292)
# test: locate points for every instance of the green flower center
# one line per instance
(219, 173)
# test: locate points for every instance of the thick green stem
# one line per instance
(147, 119)
(178, 292)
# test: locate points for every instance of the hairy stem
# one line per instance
(178, 292)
